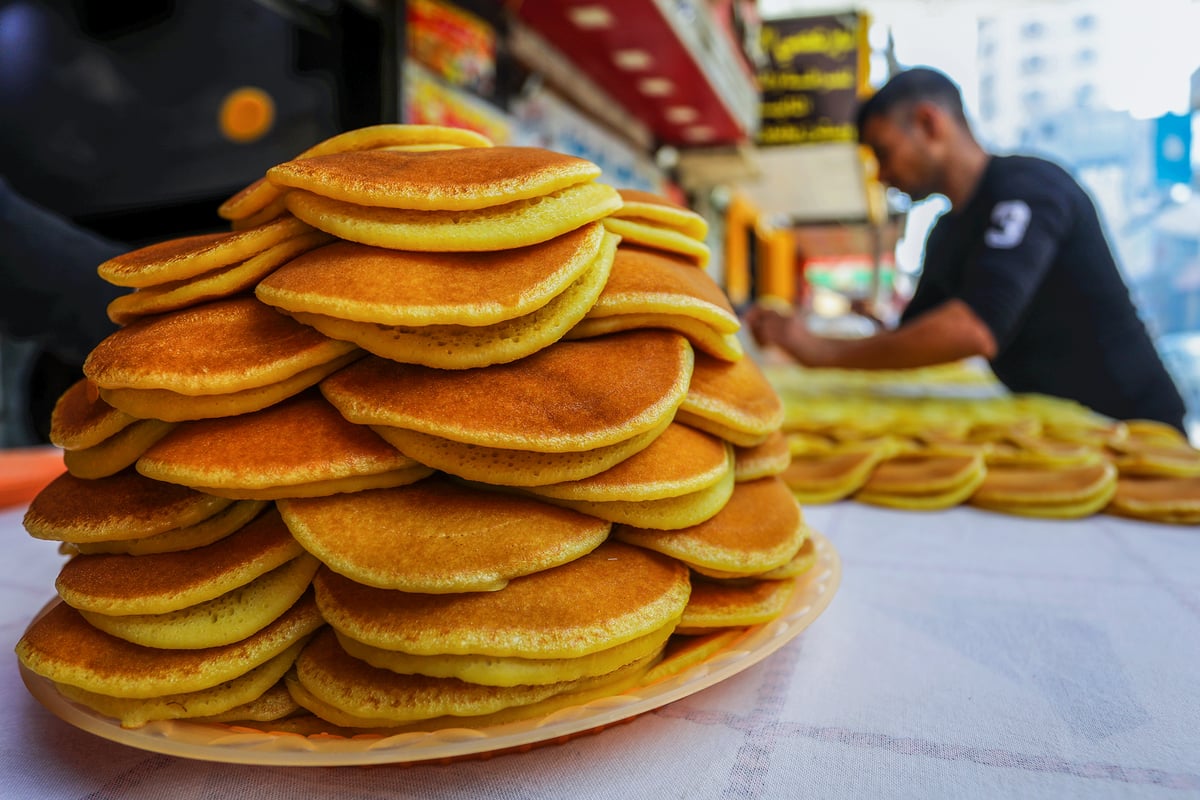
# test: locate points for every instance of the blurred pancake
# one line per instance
(438, 180)
(652, 289)
(1058, 492)
(759, 528)
(729, 604)
(816, 478)
(505, 466)
(237, 693)
(515, 224)
(240, 612)
(81, 419)
(470, 346)
(64, 647)
(256, 197)
(1157, 499)
(514, 671)
(570, 397)
(359, 283)
(229, 356)
(771, 457)
(301, 447)
(117, 451)
(189, 256)
(1155, 455)
(1034, 452)
(207, 531)
(119, 507)
(120, 584)
(656, 209)
(629, 592)
(924, 482)
(436, 536)
(680, 461)
(731, 400)
(213, 285)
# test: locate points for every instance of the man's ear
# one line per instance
(929, 119)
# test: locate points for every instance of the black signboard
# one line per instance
(810, 80)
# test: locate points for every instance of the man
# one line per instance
(1018, 271)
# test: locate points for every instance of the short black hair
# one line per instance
(909, 87)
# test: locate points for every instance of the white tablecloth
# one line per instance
(965, 654)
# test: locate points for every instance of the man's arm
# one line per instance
(949, 332)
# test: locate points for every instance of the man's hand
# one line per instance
(788, 332)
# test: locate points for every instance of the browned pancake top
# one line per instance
(826, 467)
(739, 385)
(569, 396)
(1159, 492)
(612, 594)
(120, 576)
(81, 419)
(302, 436)
(642, 270)
(388, 286)
(1033, 481)
(678, 454)
(439, 179)
(922, 472)
(210, 349)
(122, 506)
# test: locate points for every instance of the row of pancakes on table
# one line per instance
(439, 433)
(1029, 455)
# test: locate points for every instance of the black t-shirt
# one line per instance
(1028, 255)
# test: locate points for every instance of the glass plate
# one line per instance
(241, 745)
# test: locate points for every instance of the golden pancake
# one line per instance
(214, 349)
(1006, 487)
(717, 604)
(189, 256)
(685, 652)
(570, 397)
(924, 482)
(234, 693)
(725, 346)
(507, 467)
(630, 592)
(804, 560)
(178, 407)
(189, 537)
(272, 210)
(438, 180)
(117, 451)
(436, 536)
(498, 671)
(274, 704)
(467, 347)
(81, 419)
(816, 478)
(350, 692)
(121, 506)
(260, 194)
(63, 647)
(1024, 451)
(1154, 430)
(1157, 499)
(650, 234)
(731, 400)
(771, 457)
(120, 584)
(295, 448)
(680, 461)
(359, 283)
(759, 528)
(802, 443)
(656, 209)
(515, 224)
(213, 285)
(225, 619)
(1156, 456)
(666, 513)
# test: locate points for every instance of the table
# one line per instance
(965, 654)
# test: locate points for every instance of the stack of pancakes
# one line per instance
(1028, 455)
(439, 434)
